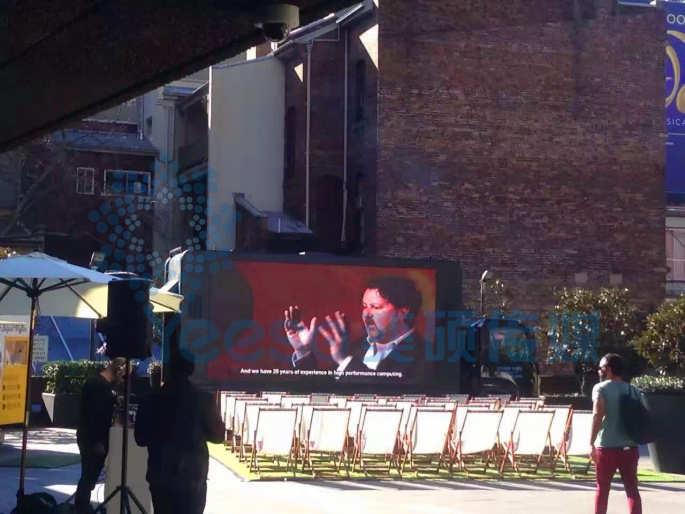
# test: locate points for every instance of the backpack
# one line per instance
(635, 418)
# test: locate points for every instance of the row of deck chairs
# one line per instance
(415, 431)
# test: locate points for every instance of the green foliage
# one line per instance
(6, 252)
(68, 377)
(572, 321)
(663, 341)
(154, 367)
(660, 385)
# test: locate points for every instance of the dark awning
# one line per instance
(64, 60)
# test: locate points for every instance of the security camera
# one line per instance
(277, 20)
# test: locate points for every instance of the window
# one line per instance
(675, 254)
(119, 182)
(137, 183)
(85, 181)
(359, 90)
(290, 143)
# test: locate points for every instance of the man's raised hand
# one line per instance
(299, 335)
(337, 336)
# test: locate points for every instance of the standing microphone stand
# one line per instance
(123, 488)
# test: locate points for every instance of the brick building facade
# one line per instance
(92, 166)
(342, 56)
(525, 138)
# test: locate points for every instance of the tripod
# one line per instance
(123, 488)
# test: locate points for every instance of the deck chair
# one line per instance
(274, 398)
(249, 425)
(506, 427)
(530, 438)
(239, 418)
(320, 398)
(578, 442)
(523, 405)
(287, 402)
(378, 436)
(428, 436)
(230, 425)
(477, 436)
(461, 399)
(504, 399)
(338, 401)
(274, 436)
(355, 407)
(305, 415)
(558, 431)
(482, 405)
(326, 433)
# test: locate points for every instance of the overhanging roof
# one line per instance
(65, 60)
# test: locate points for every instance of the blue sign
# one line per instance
(675, 100)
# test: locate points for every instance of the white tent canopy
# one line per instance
(66, 290)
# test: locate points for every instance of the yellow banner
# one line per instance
(14, 351)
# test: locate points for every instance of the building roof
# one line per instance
(104, 142)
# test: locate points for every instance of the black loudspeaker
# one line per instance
(127, 327)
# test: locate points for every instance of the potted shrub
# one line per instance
(663, 345)
(64, 381)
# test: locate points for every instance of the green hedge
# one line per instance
(660, 385)
(68, 377)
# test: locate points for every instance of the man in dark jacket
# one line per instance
(389, 308)
(175, 423)
(98, 402)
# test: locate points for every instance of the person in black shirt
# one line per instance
(175, 423)
(98, 402)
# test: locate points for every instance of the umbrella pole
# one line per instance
(27, 406)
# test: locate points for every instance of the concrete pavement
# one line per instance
(227, 493)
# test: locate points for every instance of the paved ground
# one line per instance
(226, 493)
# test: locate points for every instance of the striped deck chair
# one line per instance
(428, 436)
(477, 436)
(530, 438)
(274, 436)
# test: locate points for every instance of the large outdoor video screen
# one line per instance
(313, 324)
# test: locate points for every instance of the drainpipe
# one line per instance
(343, 234)
(309, 116)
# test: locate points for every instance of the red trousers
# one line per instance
(608, 461)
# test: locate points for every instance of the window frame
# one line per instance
(85, 169)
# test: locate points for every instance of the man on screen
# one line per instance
(389, 308)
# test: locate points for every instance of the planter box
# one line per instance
(64, 409)
(668, 414)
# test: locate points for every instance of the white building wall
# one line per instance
(246, 135)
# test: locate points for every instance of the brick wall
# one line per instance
(327, 135)
(362, 137)
(524, 137)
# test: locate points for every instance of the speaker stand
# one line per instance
(123, 488)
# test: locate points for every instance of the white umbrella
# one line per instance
(38, 282)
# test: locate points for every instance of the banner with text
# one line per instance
(14, 351)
